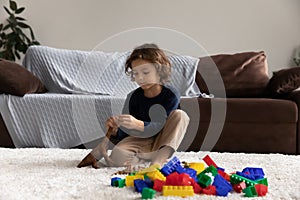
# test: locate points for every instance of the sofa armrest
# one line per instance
(295, 96)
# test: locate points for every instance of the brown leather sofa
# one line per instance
(261, 113)
(250, 111)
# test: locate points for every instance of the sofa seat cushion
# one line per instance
(246, 110)
(257, 125)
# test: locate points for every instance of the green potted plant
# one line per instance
(15, 35)
(297, 56)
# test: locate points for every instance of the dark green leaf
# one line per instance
(35, 43)
(23, 25)
(7, 26)
(6, 9)
(20, 10)
(17, 54)
(20, 18)
(31, 34)
(13, 5)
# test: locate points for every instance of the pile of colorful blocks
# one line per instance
(186, 179)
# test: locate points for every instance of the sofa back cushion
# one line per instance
(16, 80)
(244, 74)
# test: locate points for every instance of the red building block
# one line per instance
(197, 188)
(239, 187)
(178, 179)
(158, 185)
(209, 161)
(261, 189)
(210, 190)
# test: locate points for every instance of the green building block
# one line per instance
(119, 183)
(250, 191)
(204, 180)
(235, 179)
(263, 181)
(148, 193)
(210, 169)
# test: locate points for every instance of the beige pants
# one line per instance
(131, 150)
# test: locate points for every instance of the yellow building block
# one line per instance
(156, 175)
(152, 168)
(182, 191)
(129, 180)
(199, 167)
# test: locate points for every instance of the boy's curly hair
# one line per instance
(153, 54)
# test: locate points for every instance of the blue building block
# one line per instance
(149, 182)
(191, 172)
(139, 185)
(170, 166)
(114, 181)
(223, 187)
(258, 173)
(246, 175)
(179, 169)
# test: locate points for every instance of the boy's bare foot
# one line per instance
(89, 160)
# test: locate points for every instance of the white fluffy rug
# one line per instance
(52, 174)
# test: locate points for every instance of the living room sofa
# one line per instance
(249, 112)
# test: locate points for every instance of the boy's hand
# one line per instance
(112, 122)
(130, 122)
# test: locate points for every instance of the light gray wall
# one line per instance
(220, 26)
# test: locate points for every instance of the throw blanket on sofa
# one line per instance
(57, 120)
(97, 72)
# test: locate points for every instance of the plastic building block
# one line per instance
(239, 187)
(196, 187)
(178, 179)
(207, 159)
(148, 193)
(158, 185)
(139, 185)
(182, 191)
(250, 191)
(263, 181)
(261, 189)
(170, 167)
(191, 172)
(224, 175)
(152, 168)
(112, 182)
(257, 173)
(129, 180)
(199, 167)
(210, 169)
(204, 180)
(234, 179)
(156, 175)
(120, 183)
(210, 190)
(179, 169)
(148, 181)
(222, 186)
(246, 175)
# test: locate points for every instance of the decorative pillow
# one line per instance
(284, 81)
(243, 74)
(16, 80)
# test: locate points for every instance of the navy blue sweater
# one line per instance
(153, 111)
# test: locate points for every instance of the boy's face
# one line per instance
(144, 73)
